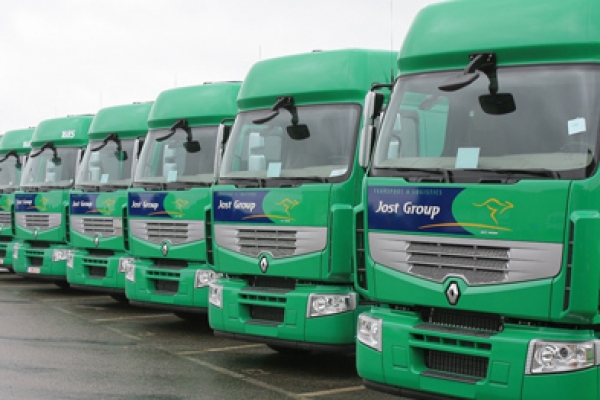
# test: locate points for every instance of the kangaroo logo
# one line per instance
(45, 201)
(495, 205)
(180, 203)
(110, 204)
(288, 205)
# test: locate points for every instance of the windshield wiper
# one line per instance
(150, 185)
(186, 185)
(446, 173)
(297, 180)
(252, 182)
(88, 188)
(543, 172)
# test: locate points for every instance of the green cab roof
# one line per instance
(317, 77)
(66, 131)
(127, 121)
(18, 140)
(519, 31)
(206, 104)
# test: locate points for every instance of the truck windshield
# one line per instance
(173, 162)
(10, 173)
(469, 135)
(110, 165)
(273, 153)
(52, 168)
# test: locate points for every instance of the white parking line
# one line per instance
(133, 317)
(218, 349)
(333, 391)
(71, 298)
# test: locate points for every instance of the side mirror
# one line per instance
(298, 132)
(193, 146)
(121, 155)
(372, 108)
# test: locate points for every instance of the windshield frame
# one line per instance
(46, 155)
(273, 174)
(581, 80)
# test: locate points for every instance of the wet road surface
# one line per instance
(68, 344)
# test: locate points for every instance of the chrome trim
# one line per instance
(158, 231)
(5, 219)
(41, 221)
(97, 225)
(477, 261)
(278, 241)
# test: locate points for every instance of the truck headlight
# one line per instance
(204, 277)
(123, 263)
(546, 357)
(16, 250)
(70, 257)
(368, 331)
(59, 255)
(129, 268)
(328, 304)
(215, 294)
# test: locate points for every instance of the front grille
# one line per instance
(273, 314)
(42, 221)
(461, 364)
(5, 220)
(92, 226)
(176, 232)
(477, 264)
(36, 261)
(272, 282)
(463, 320)
(278, 242)
(170, 287)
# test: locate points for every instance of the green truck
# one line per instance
(42, 203)
(98, 202)
(283, 202)
(477, 236)
(14, 147)
(169, 239)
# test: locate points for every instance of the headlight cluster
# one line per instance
(546, 357)
(59, 255)
(328, 304)
(127, 267)
(204, 277)
(215, 294)
(368, 331)
(70, 257)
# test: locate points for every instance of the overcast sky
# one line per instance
(61, 57)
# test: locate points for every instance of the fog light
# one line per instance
(546, 357)
(215, 294)
(368, 331)
(16, 250)
(204, 277)
(123, 263)
(59, 255)
(70, 257)
(329, 304)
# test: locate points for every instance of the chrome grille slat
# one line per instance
(5, 219)
(176, 232)
(92, 226)
(41, 221)
(279, 241)
(477, 261)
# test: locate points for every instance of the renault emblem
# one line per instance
(263, 264)
(96, 241)
(453, 293)
(165, 249)
(35, 233)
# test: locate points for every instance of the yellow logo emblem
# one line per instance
(495, 205)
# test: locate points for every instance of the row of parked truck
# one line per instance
(435, 211)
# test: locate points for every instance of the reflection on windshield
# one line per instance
(553, 128)
(277, 149)
(108, 165)
(46, 170)
(10, 173)
(173, 161)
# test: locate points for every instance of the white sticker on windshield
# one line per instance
(172, 176)
(337, 172)
(274, 170)
(467, 157)
(576, 125)
(104, 178)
